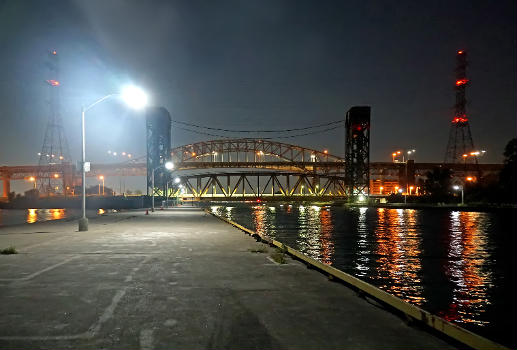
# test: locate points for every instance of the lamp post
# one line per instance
(132, 96)
(101, 177)
(168, 166)
(457, 187)
(33, 180)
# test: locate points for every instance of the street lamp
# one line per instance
(169, 166)
(101, 177)
(33, 180)
(456, 188)
(133, 97)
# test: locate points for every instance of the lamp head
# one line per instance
(134, 97)
(169, 165)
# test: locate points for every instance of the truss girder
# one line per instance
(260, 184)
(249, 150)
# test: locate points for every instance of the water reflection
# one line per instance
(34, 215)
(326, 239)
(363, 253)
(465, 268)
(57, 214)
(398, 263)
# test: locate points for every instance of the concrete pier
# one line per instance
(177, 279)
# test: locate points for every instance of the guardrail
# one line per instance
(453, 331)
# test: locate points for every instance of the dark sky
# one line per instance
(259, 64)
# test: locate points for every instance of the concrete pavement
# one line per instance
(176, 279)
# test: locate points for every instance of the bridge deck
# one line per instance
(176, 279)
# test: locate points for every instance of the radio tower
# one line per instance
(54, 158)
(460, 138)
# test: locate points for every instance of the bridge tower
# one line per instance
(158, 126)
(460, 138)
(357, 151)
(55, 154)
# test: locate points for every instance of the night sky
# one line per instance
(259, 64)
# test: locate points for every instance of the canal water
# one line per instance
(459, 265)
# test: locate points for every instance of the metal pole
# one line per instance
(83, 221)
(152, 190)
(462, 201)
(167, 193)
(405, 196)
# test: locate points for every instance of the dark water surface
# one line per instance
(459, 265)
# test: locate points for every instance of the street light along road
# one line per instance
(135, 98)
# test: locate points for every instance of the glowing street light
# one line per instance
(101, 177)
(33, 180)
(169, 166)
(135, 98)
(457, 188)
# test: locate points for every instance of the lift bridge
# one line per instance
(247, 167)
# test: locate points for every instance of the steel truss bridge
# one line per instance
(240, 168)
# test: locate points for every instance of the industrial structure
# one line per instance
(357, 152)
(460, 143)
(158, 136)
(55, 176)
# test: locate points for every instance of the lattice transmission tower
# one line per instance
(460, 138)
(55, 173)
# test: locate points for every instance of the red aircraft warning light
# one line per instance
(461, 52)
(54, 52)
(462, 119)
(461, 82)
(53, 82)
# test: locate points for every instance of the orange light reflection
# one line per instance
(466, 269)
(32, 216)
(399, 262)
